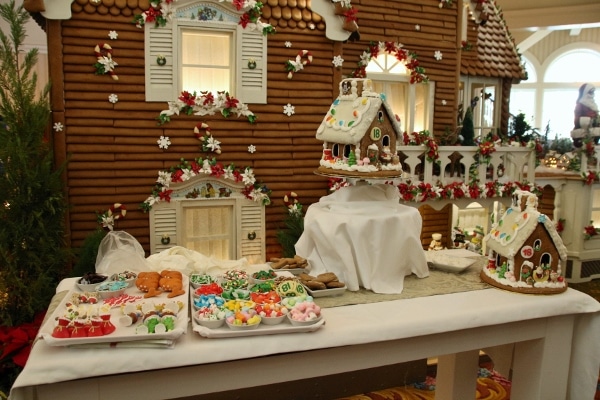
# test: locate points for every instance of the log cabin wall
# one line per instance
(112, 149)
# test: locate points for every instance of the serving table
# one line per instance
(557, 352)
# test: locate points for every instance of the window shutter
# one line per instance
(161, 82)
(163, 222)
(251, 243)
(251, 85)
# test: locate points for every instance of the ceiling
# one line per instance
(529, 21)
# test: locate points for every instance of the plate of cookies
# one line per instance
(322, 285)
(295, 265)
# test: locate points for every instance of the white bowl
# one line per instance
(110, 289)
(210, 323)
(205, 276)
(243, 327)
(129, 281)
(304, 323)
(88, 287)
(273, 320)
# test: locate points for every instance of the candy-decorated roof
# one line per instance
(517, 224)
(352, 113)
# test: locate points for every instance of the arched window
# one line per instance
(548, 97)
(413, 103)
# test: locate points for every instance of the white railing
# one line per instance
(456, 164)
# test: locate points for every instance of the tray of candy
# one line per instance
(262, 329)
(83, 318)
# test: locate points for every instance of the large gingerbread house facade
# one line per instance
(106, 124)
(526, 253)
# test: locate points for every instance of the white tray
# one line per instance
(326, 292)
(451, 260)
(123, 333)
(283, 327)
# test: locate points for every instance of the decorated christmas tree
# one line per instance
(32, 202)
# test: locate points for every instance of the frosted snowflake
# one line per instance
(113, 35)
(417, 27)
(337, 61)
(251, 149)
(288, 44)
(113, 98)
(289, 110)
(163, 142)
(58, 127)
(444, 102)
(437, 55)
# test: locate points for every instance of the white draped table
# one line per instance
(365, 236)
(557, 351)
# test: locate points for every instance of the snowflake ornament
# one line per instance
(113, 98)
(444, 102)
(113, 35)
(438, 55)
(288, 44)
(251, 149)
(289, 110)
(337, 61)
(163, 142)
(58, 127)
(417, 27)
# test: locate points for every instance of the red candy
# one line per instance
(211, 288)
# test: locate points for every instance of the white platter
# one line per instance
(282, 328)
(326, 292)
(122, 334)
(451, 260)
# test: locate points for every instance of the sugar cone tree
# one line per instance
(32, 201)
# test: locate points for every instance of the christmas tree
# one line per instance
(33, 255)
(468, 130)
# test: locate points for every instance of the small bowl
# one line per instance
(209, 323)
(89, 287)
(273, 320)
(197, 280)
(128, 277)
(110, 289)
(304, 323)
(243, 327)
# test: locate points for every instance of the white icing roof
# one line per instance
(350, 115)
(509, 234)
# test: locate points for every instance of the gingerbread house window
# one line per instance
(238, 56)
(211, 216)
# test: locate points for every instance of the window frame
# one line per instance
(466, 89)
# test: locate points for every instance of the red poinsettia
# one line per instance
(16, 341)
(590, 231)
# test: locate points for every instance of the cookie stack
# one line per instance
(327, 280)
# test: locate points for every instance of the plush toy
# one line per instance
(172, 281)
(148, 282)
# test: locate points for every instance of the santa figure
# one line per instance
(586, 121)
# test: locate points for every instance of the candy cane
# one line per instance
(102, 52)
(299, 63)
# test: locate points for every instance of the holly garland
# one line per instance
(422, 191)
(186, 170)
(417, 73)
(206, 103)
(423, 138)
(161, 11)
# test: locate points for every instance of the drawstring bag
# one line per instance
(119, 252)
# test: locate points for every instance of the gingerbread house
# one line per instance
(360, 133)
(526, 253)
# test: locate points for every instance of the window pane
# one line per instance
(575, 66)
(522, 101)
(396, 95)
(206, 60)
(558, 111)
(421, 107)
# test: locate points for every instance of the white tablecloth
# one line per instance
(366, 237)
(346, 326)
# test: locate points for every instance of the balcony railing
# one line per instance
(459, 164)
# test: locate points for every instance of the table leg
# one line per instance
(541, 366)
(457, 376)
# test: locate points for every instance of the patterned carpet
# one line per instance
(490, 384)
